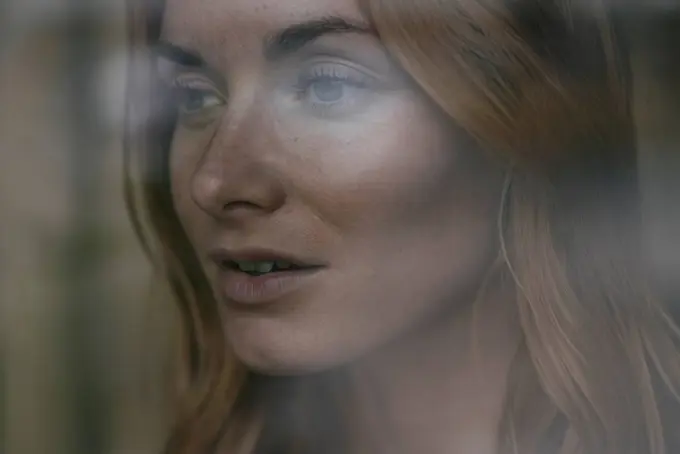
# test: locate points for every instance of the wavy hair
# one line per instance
(543, 85)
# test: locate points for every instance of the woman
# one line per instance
(399, 226)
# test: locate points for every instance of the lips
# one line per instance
(256, 287)
(223, 257)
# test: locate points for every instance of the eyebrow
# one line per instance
(179, 55)
(296, 36)
(276, 46)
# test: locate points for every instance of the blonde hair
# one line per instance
(545, 86)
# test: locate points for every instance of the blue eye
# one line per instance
(328, 90)
(332, 89)
(193, 100)
(197, 100)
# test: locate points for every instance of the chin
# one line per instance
(282, 363)
(283, 354)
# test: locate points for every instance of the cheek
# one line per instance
(399, 164)
(403, 269)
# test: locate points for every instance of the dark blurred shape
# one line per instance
(655, 33)
(83, 252)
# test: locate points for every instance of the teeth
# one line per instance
(252, 267)
(264, 267)
(247, 266)
(282, 265)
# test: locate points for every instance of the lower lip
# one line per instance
(242, 288)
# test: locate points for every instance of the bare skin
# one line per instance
(328, 151)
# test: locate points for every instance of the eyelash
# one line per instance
(184, 86)
(330, 73)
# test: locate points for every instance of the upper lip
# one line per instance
(221, 256)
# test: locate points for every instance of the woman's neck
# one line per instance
(441, 389)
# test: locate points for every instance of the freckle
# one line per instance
(295, 139)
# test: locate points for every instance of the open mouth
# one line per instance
(261, 268)
(254, 276)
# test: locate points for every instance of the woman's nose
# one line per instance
(237, 176)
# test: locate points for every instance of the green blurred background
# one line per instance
(85, 350)
(86, 338)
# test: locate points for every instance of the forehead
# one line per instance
(232, 24)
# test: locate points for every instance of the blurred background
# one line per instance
(83, 347)
(85, 338)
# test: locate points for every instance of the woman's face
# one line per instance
(300, 141)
